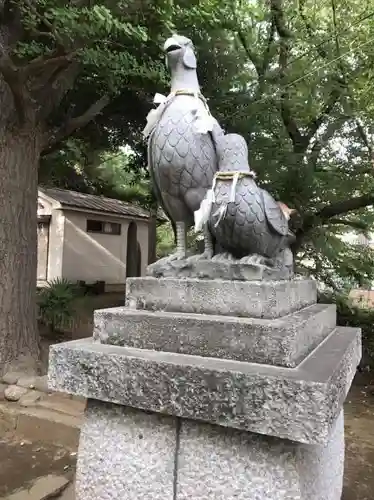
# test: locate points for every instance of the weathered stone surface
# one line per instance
(69, 493)
(224, 464)
(59, 403)
(125, 454)
(223, 269)
(19, 495)
(258, 299)
(43, 488)
(282, 341)
(14, 393)
(12, 377)
(2, 391)
(41, 384)
(27, 381)
(47, 487)
(30, 398)
(297, 404)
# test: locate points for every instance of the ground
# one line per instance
(23, 462)
(359, 423)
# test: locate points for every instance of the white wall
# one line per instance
(94, 256)
(56, 236)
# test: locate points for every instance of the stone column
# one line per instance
(211, 390)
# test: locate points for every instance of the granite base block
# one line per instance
(282, 341)
(217, 464)
(257, 299)
(299, 404)
(125, 454)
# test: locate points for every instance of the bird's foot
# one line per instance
(255, 260)
(206, 255)
(223, 256)
(178, 255)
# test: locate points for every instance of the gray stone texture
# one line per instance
(30, 398)
(12, 377)
(129, 454)
(182, 157)
(28, 382)
(257, 299)
(283, 341)
(298, 404)
(218, 464)
(254, 224)
(125, 454)
(14, 393)
(212, 269)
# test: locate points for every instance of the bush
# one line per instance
(355, 315)
(56, 304)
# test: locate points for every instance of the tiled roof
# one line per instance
(83, 201)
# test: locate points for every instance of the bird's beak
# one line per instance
(171, 45)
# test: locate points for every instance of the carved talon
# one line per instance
(223, 256)
(206, 255)
(176, 256)
(254, 259)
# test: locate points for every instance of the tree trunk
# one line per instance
(19, 339)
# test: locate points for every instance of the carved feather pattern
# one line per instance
(183, 162)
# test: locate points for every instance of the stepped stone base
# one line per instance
(126, 454)
(297, 404)
(211, 390)
(282, 341)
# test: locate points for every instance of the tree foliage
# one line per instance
(294, 77)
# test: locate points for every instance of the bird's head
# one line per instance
(180, 51)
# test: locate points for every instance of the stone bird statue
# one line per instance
(245, 220)
(181, 136)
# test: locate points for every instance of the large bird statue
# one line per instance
(181, 135)
(246, 221)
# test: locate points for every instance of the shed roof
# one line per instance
(73, 199)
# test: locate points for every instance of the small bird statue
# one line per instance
(181, 136)
(244, 219)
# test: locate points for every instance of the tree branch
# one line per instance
(361, 132)
(280, 22)
(355, 224)
(345, 206)
(47, 23)
(285, 35)
(328, 213)
(53, 85)
(13, 78)
(327, 108)
(288, 120)
(262, 70)
(310, 30)
(339, 82)
(250, 54)
(331, 128)
(75, 124)
(46, 60)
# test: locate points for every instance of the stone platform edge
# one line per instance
(282, 341)
(258, 299)
(299, 404)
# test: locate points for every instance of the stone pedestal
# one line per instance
(210, 390)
